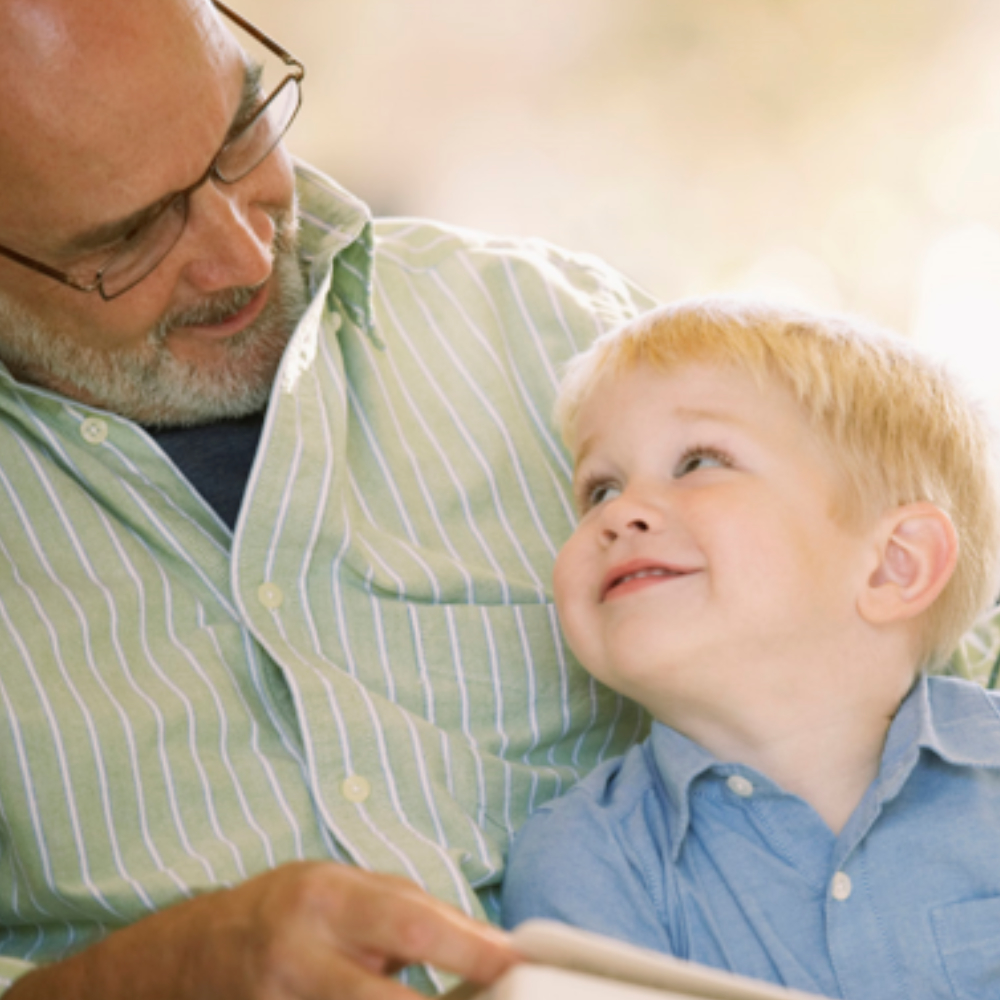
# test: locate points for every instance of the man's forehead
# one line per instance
(108, 116)
(108, 231)
(51, 39)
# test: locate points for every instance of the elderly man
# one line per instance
(279, 499)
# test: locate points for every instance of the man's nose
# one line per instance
(229, 240)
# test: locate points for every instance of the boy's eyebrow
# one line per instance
(692, 414)
(581, 453)
(688, 414)
(109, 232)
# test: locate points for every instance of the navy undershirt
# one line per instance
(215, 458)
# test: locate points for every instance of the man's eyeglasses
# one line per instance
(145, 248)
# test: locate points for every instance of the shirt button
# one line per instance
(94, 431)
(270, 595)
(356, 789)
(740, 786)
(336, 321)
(840, 886)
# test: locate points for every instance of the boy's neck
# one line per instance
(823, 745)
(829, 762)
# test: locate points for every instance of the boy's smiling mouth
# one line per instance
(637, 575)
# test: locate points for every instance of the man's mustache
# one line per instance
(222, 306)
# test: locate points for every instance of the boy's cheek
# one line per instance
(576, 576)
(580, 635)
(562, 572)
(569, 587)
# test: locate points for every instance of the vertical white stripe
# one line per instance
(485, 469)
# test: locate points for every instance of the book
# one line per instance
(565, 963)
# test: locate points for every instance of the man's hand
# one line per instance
(305, 931)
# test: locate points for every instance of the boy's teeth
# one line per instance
(644, 572)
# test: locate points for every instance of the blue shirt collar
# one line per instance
(679, 762)
(954, 720)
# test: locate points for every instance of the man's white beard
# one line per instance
(148, 384)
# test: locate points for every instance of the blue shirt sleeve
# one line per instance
(571, 864)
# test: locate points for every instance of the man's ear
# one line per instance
(917, 551)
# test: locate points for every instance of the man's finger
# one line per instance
(391, 919)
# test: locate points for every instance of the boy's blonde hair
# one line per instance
(897, 424)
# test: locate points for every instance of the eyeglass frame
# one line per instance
(297, 73)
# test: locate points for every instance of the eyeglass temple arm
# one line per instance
(51, 272)
(266, 40)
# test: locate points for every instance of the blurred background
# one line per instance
(843, 154)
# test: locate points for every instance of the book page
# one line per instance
(601, 958)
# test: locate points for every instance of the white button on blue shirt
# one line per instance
(840, 886)
(740, 786)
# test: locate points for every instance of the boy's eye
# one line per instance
(603, 492)
(701, 458)
(592, 494)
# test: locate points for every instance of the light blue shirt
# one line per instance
(669, 849)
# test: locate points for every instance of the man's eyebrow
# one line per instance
(108, 233)
(250, 97)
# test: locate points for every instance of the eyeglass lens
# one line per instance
(241, 155)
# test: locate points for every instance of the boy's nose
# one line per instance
(626, 516)
(611, 532)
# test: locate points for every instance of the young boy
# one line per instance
(785, 522)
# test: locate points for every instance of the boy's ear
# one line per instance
(918, 548)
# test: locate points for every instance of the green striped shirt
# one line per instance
(369, 668)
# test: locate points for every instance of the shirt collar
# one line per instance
(335, 229)
(955, 720)
(678, 762)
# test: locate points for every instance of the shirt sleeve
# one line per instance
(569, 864)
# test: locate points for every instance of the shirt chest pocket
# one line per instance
(968, 940)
